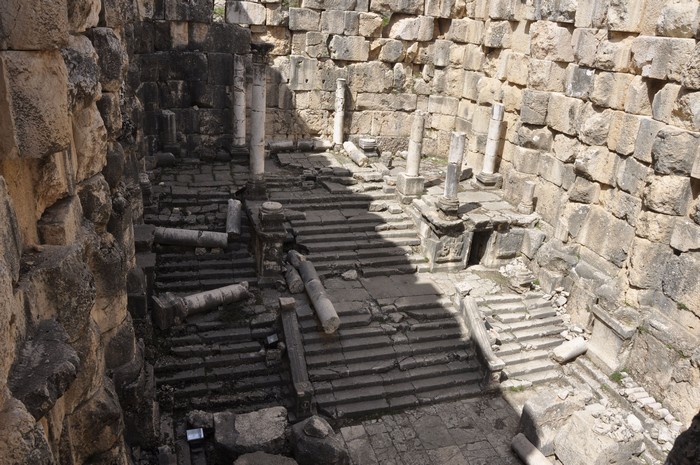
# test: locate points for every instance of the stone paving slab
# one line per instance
(463, 432)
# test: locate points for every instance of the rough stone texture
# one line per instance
(33, 104)
(112, 58)
(262, 458)
(668, 194)
(577, 444)
(20, 20)
(83, 72)
(314, 441)
(264, 430)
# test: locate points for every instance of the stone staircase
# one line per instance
(375, 362)
(528, 328)
(344, 231)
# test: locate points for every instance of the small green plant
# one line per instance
(536, 282)
(518, 388)
(219, 12)
(682, 306)
(616, 377)
(385, 20)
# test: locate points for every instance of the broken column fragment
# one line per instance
(569, 350)
(488, 175)
(339, 118)
(190, 237)
(527, 202)
(169, 308)
(294, 281)
(239, 104)
(233, 219)
(410, 184)
(527, 452)
(355, 154)
(317, 294)
(449, 203)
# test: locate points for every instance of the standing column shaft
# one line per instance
(239, 103)
(257, 120)
(493, 138)
(339, 119)
(527, 198)
(454, 166)
(415, 144)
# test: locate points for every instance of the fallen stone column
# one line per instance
(169, 308)
(339, 118)
(294, 281)
(317, 294)
(190, 237)
(569, 350)
(355, 154)
(527, 452)
(233, 219)
(208, 300)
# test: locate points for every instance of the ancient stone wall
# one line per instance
(183, 57)
(69, 193)
(602, 111)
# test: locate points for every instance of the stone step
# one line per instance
(403, 261)
(185, 266)
(335, 255)
(227, 335)
(523, 356)
(534, 323)
(202, 350)
(527, 334)
(369, 223)
(240, 385)
(519, 369)
(324, 346)
(541, 376)
(355, 236)
(421, 302)
(346, 321)
(542, 312)
(195, 286)
(423, 314)
(362, 243)
(346, 333)
(243, 402)
(390, 270)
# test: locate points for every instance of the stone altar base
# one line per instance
(409, 187)
(445, 240)
(492, 181)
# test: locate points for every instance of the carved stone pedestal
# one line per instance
(267, 219)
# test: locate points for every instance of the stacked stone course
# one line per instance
(601, 113)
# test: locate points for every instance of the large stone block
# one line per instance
(387, 7)
(648, 129)
(661, 57)
(597, 164)
(674, 151)
(24, 439)
(686, 111)
(526, 160)
(591, 13)
(614, 55)
(563, 113)
(685, 236)
(622, 135)
(352, 48)
(419, 28)
(690, 77)
(555, 171)
(314, 441)
(340, 22)
(83, 72)
(244, 12)
(551, 42)
(391, 51)
(90, 142)
(655, 227)
(679, 284)
(670, 195)
(443, 8)
(579, 81)
(566, 148)
(371, 25)
(586, 43)
(610, 89)
(33, 24)
(110, 111)
(631, 176)
(639, 96)
(584, 191)
(625, 15)
(664, 102)
(534, 107)
(498, 34)
(112, 58)
(303, 73)
(593, 125)
(83, 14)
(546, 75)
(606, 235)
(646, 259)
(34, 119)
(679, 19)
(10, 236)
(264, 430)
(622, 205)
(370, 77)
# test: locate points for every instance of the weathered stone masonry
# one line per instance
(601, 112)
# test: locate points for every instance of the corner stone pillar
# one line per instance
(239, 105)
(410, 184)
(256, 180)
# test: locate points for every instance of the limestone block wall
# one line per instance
(69, 193)
(602, 102)
(183, 62)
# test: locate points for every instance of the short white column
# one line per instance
(415, 144)
(488, 176)
(339, 118)
(449, 203)
(527, 200)
(239, 102)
